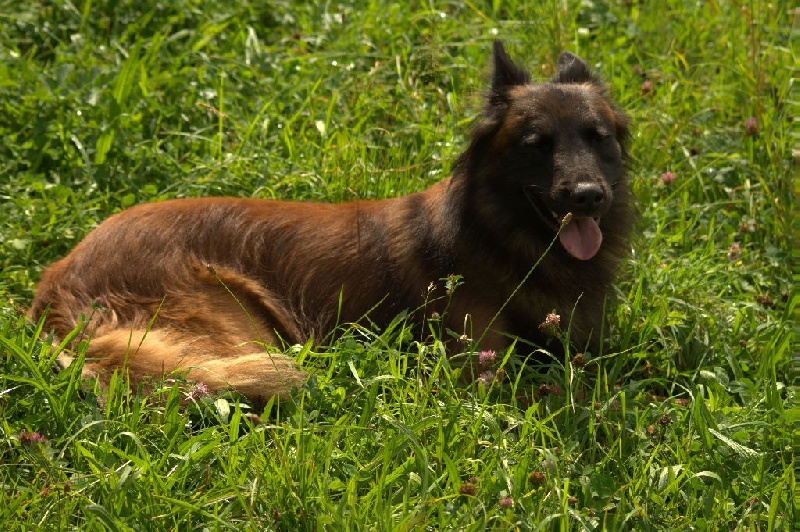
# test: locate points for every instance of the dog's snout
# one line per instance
(586, 199)
(588, 194)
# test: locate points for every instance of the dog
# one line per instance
(213, 287)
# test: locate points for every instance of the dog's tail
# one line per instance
(147, 355)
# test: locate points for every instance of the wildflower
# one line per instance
(486, 378)
(667, 178)
(664, 420)
(751, 126)
(647, 87)
(572, 500)
(197, 391)
(486, 359)
(550, 324)
(734, 251)
(30, 438)
(544, 390)
(579, 360)
(506, 502)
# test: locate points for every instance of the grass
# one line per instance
(688, 422)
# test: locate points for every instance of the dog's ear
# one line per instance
(572, 69)
(506, 73)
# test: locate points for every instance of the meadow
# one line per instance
(688, 419)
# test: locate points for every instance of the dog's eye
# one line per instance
(537, 140)
(598, 134)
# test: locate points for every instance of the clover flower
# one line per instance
(550, 324)
(486, 359)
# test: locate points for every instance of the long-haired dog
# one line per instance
(204, 286)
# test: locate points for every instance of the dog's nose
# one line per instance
(586, 197)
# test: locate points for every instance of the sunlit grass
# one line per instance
(684, 423)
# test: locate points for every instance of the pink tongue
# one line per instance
(581, 238)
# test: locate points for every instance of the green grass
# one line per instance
(689, 422)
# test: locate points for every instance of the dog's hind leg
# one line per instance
(214, 326)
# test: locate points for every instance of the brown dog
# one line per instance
(203, 285)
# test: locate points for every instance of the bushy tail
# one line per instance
(247, 368)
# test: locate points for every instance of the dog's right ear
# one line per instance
(506, 73)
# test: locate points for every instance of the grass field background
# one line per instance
(688, 421)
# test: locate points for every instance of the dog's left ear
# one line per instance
(506, 73)
(572, 69)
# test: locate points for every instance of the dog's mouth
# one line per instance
(580, 236)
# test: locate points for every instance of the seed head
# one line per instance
(765, 300)
(536, 478)
(467, 488)
(751, 126)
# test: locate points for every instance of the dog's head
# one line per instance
(550, 149)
